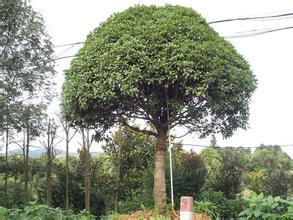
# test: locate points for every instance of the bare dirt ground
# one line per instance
(147, 215)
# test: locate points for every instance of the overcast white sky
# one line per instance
(269, 55)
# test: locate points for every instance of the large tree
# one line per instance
(26, 50)
(25, 62)
(26, 66)
(163, 65)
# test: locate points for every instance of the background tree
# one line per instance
(50, 146)
(31, 119)
(130, 153)
(68, 137)
(270, 170)
(147, 59)
(85, 157)
(229, 180)
(211, 157)
(26, 59)
(8, 126)
(189, 174)
(7, 142)
(26, 56)
(26, 51)
(213, 141)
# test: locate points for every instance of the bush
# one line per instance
(221, 206)
(260, 207)
(35, 211)
(205, 207)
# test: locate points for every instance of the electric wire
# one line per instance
(70, 44)
(250, 33)
(205, 146)
(64, 51)
(244, 34)
(278, 16)
(60, 58)
(258, 32)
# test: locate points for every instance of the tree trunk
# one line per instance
(49, 179)
(6, 169)
(24, 161)
(87, 181)
(49, 168)
(26, 166)
(118, 179)
(67, 173)
(87, 171)
(159, 174)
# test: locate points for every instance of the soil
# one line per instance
(146, 215)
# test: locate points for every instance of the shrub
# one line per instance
(221, 206)
(36, 211)
(205, 207)
(260, 207)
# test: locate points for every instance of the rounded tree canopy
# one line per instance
(147, 59)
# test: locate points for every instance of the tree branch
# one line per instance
(72, 135)
(136, 129)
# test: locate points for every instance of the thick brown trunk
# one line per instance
(159, 174)
(67, 173)
(6, 169)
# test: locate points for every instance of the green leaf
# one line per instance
(3, 211)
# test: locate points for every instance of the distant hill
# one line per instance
(36, 153)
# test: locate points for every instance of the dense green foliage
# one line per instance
(260, 207)
(136, 187)
(131, 156)
(268, 171)
(41, 212)
(137, 59)
(26, 68)
(26, 77)
(189, 173)
(163, 65)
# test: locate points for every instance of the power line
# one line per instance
(250, 33)
(70, 44)
(60, 58)
(278, 16)
(258, 32)
(262, 31)
(244, 34)
(67, 49)
(204, 146)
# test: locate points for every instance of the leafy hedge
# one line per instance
(35, 211)
(256, 206)
(261, 207)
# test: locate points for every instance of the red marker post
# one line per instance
(186, 208)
